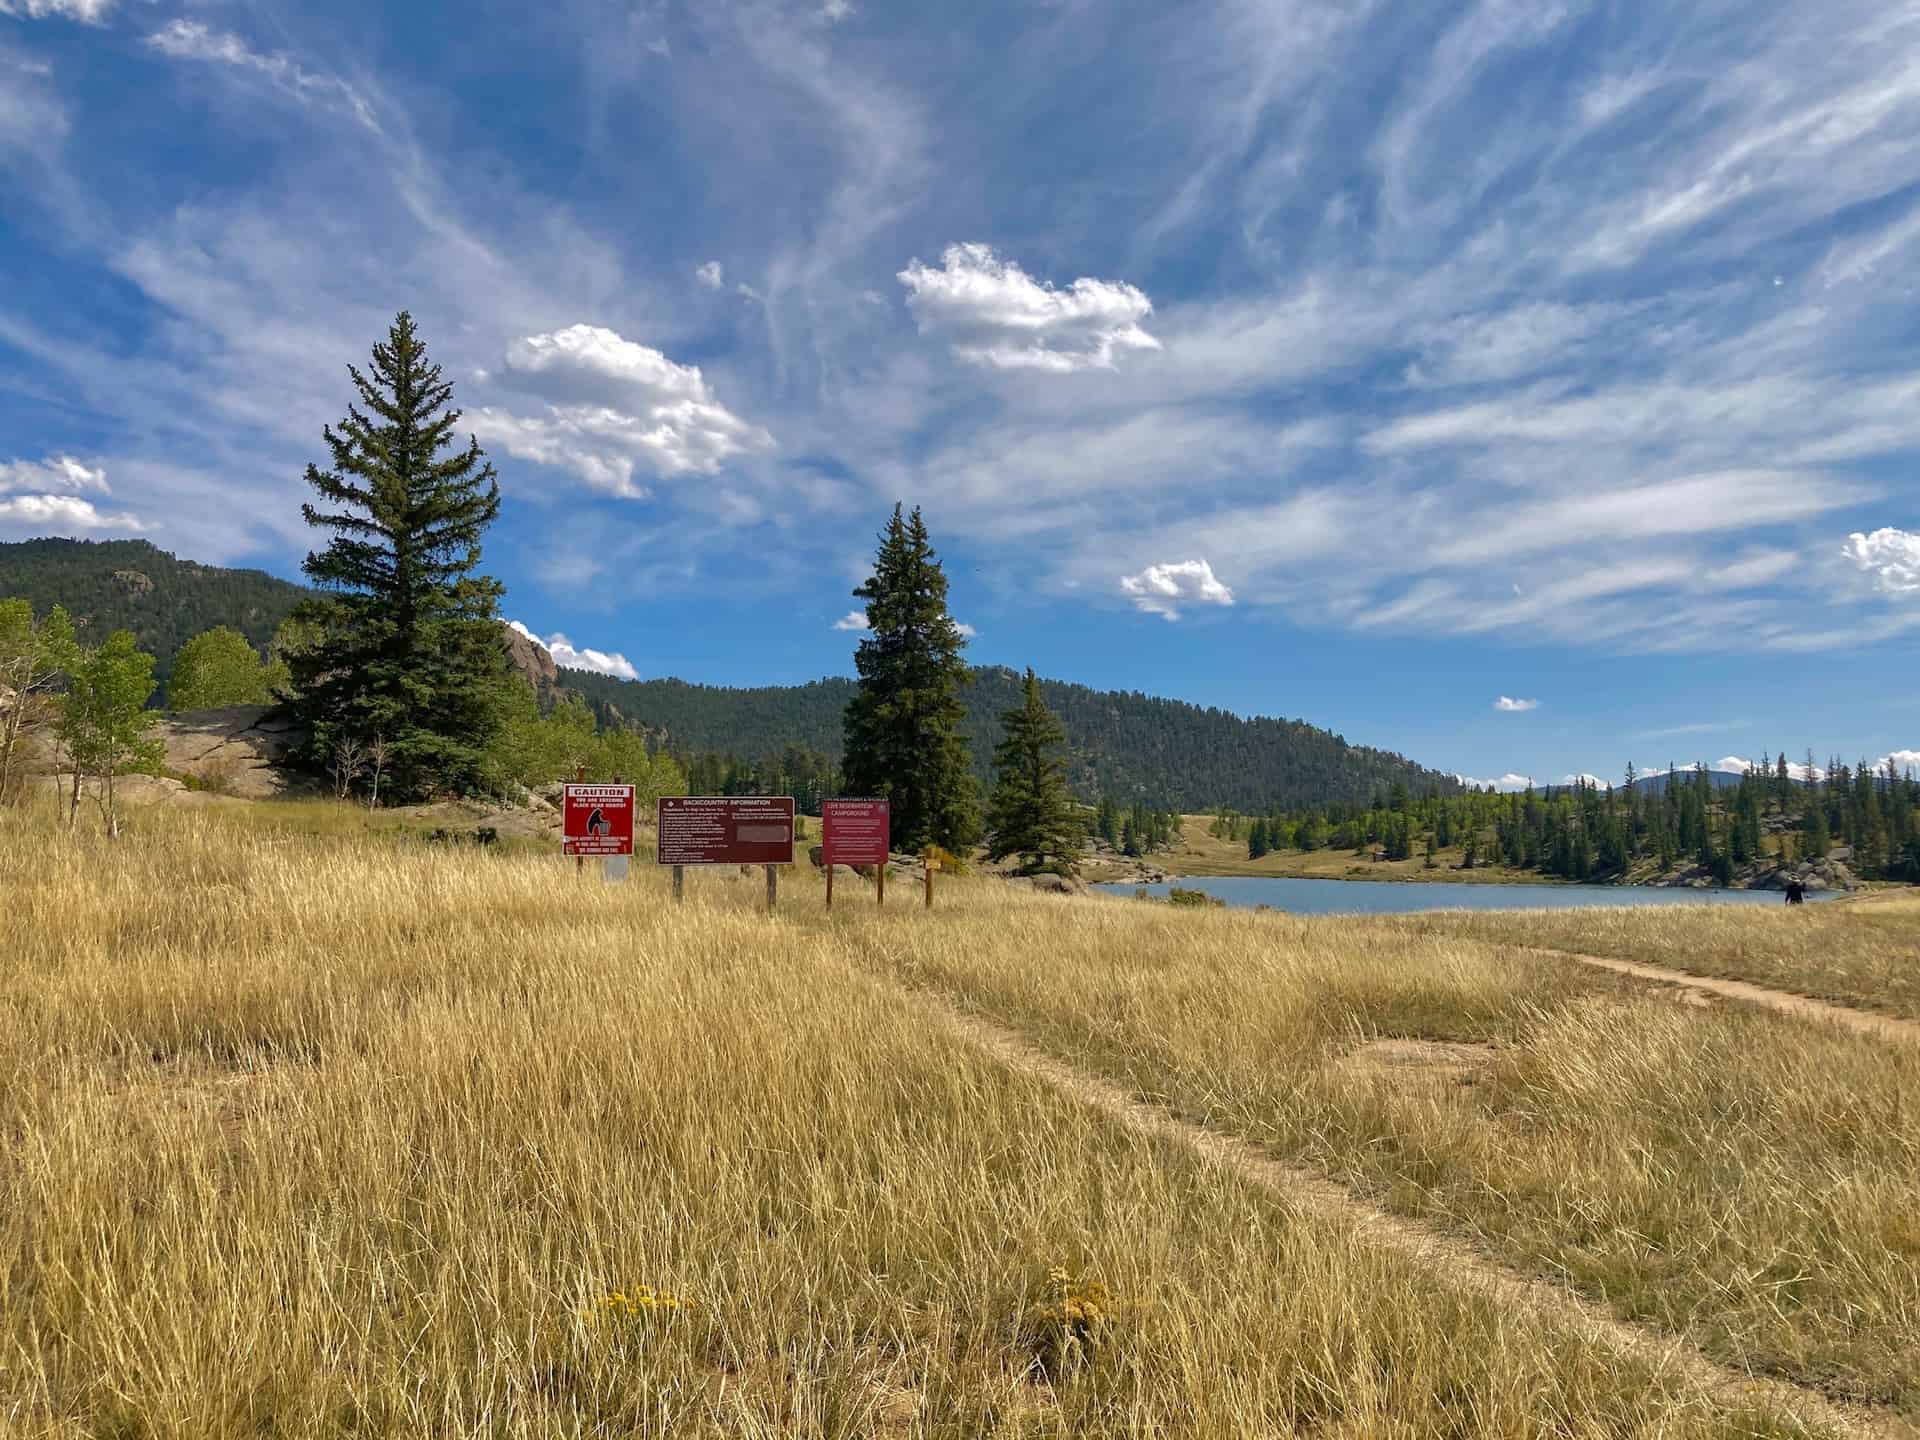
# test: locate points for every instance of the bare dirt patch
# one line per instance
(1417, 1062)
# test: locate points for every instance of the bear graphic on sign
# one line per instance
(597, 823)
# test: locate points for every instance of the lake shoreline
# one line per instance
(1326, 895)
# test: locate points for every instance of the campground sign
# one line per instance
(597, 820)
(854, 832)
(725, 830)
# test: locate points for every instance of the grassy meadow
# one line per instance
(1199, 852)
(1864, 953)
(302, 1135)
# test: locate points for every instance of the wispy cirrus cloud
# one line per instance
(183, 39)
(1513, 706)
(87, 12)
(1499, 352)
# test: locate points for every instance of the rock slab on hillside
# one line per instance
(532, 660)
(237, 750)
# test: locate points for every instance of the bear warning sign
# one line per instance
(598, 820)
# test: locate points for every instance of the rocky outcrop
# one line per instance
(1829, 874)
(239, 750)
(532, 660)
(1048, 884)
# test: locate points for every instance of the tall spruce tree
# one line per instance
(405, 646)
(902, 727)
(1032, 813)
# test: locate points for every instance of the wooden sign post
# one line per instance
(579, 778)
(679, 883)
(741, 830)
(932, 865)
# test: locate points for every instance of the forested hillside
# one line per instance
(1126, 747)
(109, 585)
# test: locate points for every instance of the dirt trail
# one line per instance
(1865, 1021)
(1458, 1261)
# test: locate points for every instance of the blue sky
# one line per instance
(1362, 363)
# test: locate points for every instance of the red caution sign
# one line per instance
(854, 832)
(725, 830)
(598, 820)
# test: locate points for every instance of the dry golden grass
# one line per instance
(1747, 1179)
(302, 1136)
(1863, 950)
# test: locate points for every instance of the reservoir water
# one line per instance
(1388, 897)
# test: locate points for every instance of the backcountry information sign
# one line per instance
(854, 832)
(597, 820)
(725, 830)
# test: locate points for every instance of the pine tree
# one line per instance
(902, 728)
(1258, 843)
(1032, 814)
(404, 643)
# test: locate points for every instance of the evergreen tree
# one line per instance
(1032, 814)
(1258, 843)
(1106, 821)
(404, 643)
(902, 727)
(219, 667)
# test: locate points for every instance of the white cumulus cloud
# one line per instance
(1507, 782)
(87, 12)
(613, 404)
(712, 275)
(852, 620)
(42, 494)
(61, 511)
(62, 472)
(1508, 703)
(1163, 589)
(1740, 765)
(1891, 556)
(569, 656)
(967, 632)
(995, 314)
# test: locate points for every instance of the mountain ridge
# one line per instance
(1123, 745)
